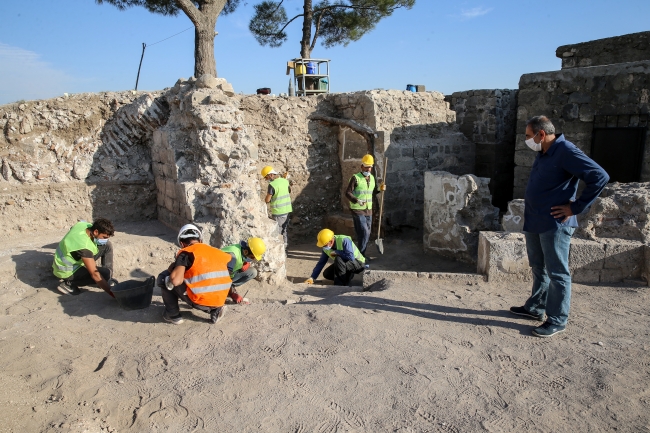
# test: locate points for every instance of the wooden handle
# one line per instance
(381, 205)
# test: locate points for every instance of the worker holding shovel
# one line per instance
(360, 192)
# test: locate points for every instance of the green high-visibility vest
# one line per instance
(338, 245)
(76, 239)
(281, 200)
(363, 191)
(236, 250)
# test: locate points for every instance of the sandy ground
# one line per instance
(417, 356)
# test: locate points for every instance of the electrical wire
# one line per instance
(171, 36)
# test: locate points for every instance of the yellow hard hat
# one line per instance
(368, 160)
(257, 247)
(266, 170)
(324, 237)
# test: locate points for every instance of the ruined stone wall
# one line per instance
(76, 157)
(205, 167)
(572, 98)
(620, 49)
(416, 132)
(488, 118)
(290, 142)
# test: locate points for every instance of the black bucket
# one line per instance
(134, 294)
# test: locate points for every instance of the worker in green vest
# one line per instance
(75, 259)
(278, 195)
(360, 192)
(240, 267)
(348, 260)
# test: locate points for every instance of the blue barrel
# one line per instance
(411, 88)
(311, 68)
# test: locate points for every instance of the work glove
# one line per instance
(310, 281)
(382, 187)
(361, 202)
(245, 266)
(285, 175)
(168, 283)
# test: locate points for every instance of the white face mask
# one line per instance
(365, 173)
(534, 146)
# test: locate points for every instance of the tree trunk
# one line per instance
(204, 19)
(204, 62)
(305, 48)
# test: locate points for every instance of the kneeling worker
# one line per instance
(278, 195)
(242, 254)
(75, 260)
(347, 258)
(198, 276)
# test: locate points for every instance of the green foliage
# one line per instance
(266, 22)
(338, 22)
(164, 7)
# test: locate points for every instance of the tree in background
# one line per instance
(202, 13)
(337, 22)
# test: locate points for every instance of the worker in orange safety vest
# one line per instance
(198, 276)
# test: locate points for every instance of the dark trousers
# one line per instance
(170, 297)
(342, 272)
(362, 226)
(82, 278)
(244, 276)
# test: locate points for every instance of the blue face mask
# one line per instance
(247, 259)
(100, 241)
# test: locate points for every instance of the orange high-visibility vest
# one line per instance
(207, 280)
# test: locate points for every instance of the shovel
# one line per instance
(379, 241)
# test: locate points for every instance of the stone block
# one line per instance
(170, 188)
(513, 219)
(502, 256)
(586, 255)
(525, 158)
(456, 208)
(624, 256)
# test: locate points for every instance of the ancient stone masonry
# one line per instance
(620, 49)
(288, 141)
(456, 208)
(205, 166)
(610, 244)
(573, 98)
(417, 132)
(488, 118)
(53, 171)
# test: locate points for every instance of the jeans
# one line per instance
(342, 272)
(362, 226)
(82, 278)
(283, 224)
(170, 297)
(548, 256)
(244, 276)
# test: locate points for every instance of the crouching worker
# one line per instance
(199, 276)
(347, 258)
(75, 260)
(242, 254)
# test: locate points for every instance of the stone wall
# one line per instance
(290, 142)
(572, 98)
(61, 161)
(416, 132)
(205, 166)
(619, 49)
(456, 208)
(488, 118)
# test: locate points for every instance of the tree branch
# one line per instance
(190, 10)
(285, 26)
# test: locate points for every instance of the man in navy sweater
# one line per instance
(550, 220)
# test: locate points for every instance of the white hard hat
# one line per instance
(189, 231)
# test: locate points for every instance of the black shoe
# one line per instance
(176, 320)
(548, 330)
(521, 311)
(216, 314)
(66, 288)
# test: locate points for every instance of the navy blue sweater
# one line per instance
(554, 181)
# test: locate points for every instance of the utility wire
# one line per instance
(144, 46)
(171, 36)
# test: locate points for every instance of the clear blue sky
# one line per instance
(48, 47)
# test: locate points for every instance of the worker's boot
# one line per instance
(236, 297)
